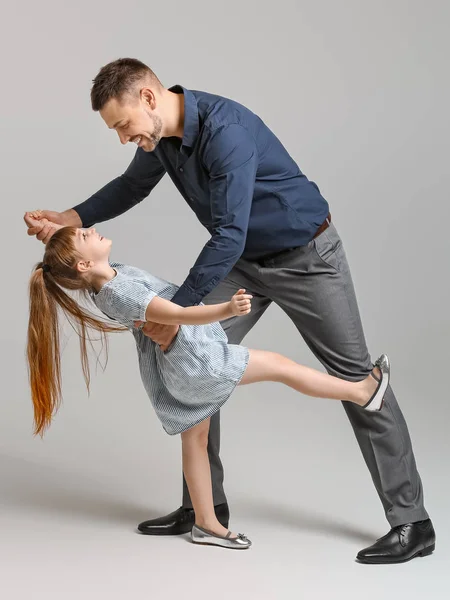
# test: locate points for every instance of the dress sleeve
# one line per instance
(128, 301)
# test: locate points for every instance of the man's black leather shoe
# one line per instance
(180, 521)
(401, 544)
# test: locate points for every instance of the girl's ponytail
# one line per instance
(43, 352)
(46, 296)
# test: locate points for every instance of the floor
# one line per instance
(71, 535)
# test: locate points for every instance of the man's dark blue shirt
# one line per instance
(235, 175)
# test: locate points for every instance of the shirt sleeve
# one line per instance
(128, 301)
(124, 192)
(231, 160)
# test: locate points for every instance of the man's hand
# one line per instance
(41, 226)
(44, 223)
(163, 335)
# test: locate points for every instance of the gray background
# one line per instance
(358, 93)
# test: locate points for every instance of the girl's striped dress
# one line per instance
(191, 380)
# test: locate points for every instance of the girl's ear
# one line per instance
(84, 265)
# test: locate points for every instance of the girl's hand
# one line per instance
(49, 215)
(240, 303)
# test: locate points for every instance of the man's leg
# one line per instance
(236, 329)
(313, 286)
(181, 520)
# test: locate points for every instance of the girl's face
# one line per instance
(92, 246)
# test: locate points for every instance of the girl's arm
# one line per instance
(166, 312)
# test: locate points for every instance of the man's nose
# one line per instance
(123, 138)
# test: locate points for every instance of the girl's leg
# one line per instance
(197, 473)
(270, 366)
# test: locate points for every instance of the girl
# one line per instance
(189, 381)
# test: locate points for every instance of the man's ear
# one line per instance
(148, 97)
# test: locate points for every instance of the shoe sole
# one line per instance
(219, 546)
(161, 532)
(168, 532)
(366, 406)
(425, 552)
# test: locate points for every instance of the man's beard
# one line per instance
(155, 137)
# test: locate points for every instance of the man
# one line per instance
(271, 233)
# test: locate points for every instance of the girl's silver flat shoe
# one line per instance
(376, 402)
(203, 536)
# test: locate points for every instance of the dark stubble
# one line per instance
(157, 128)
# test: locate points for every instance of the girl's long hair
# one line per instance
(57, 271)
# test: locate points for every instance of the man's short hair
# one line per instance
(118, 78)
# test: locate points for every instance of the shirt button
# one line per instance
(181, 169)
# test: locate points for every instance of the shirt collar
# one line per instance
(191, 126)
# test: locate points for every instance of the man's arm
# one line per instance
(124, 192)
(231, 159)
